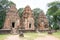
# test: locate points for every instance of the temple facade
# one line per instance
(14, 22)
(28, 20)
(12, 18)
(42, 21)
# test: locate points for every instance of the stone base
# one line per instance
(14, 31)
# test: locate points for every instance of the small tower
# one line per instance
(12, 20)
(42, 21)
(28, 20)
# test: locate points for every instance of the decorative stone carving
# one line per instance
(12, 20)
(28, 21)
(42, 21)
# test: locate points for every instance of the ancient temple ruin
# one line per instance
(28, 20)
(12, 20)
(14, 23)
(42, 21)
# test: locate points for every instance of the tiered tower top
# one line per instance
(13, 8)
(27, 12)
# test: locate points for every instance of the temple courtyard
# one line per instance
(32, 36)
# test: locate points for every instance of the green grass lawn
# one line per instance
(29, 36)
(57, 34)
(3, 36)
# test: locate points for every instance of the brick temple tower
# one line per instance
(42, 21)
(12, 18)
(28, 20)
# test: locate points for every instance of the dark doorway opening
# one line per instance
(29, 25)
(13, 24)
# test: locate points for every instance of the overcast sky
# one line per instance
(42, 4)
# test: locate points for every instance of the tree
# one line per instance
(54, 11)
(11, 3)
(20, 10)
(3, 4)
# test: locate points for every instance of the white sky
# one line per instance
(42, 4)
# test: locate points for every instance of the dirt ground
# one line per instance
(46, 37)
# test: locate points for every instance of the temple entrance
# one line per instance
(13, 24)
(13, 30)
(29, 25)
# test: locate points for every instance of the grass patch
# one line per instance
(28, 35)
(3, 36)
(57, 34)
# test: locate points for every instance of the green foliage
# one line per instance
(2, 12)
(20, 10)
(11, 3)
(57, 12)
(55, 26)
(36, 13)
(54, 11)
(2, 18)
(55, 3)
